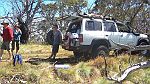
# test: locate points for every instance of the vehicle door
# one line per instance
(126, 36)
(92, 30)
(111, 33)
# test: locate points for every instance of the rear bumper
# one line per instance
(83, 48)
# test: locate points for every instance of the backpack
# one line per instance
(50, 37)
(17, 58)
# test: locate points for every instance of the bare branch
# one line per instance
(29, 19)
(31, 6)
(136, 12)
(18, 7)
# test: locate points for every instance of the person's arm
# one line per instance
(10, 33)
(2, 30)
(1, 34)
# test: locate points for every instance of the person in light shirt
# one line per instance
(16, 41)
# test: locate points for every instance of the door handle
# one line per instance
(106, 35)
(121, 35)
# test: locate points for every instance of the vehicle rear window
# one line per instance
(74, 27)
(93, 25)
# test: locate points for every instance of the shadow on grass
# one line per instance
(68, 60)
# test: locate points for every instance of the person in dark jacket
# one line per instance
(7, 38)
(16, 41)
(57, 39)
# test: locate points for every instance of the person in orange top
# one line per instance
(7, 38)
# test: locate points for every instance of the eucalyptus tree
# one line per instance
(134, 11)
(24, 11)
(49, 12)
(70, 8)
(57, 11)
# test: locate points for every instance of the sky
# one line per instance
(4, 5)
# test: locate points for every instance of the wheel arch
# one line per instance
(97, 42)
(143, 40)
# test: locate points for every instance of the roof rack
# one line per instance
(91, 16)
(95, 16)
(109, 18)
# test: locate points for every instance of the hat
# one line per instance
(5, 22)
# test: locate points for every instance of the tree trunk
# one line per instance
(25, 31)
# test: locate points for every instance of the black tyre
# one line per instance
(100, 51)
(77, 54)
(118, 52)
(144, 52)
(49, 37)
(85, 54)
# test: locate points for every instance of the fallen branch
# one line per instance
(129, 70)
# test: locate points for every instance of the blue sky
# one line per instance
(6, 7)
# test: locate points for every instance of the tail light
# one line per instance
(80, 38)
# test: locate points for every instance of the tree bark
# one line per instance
(25, 31)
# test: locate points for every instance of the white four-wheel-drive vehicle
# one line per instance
(94, 35)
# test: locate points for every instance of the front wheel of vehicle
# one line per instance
(101, 51)
(144, 52)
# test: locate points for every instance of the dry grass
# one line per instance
(90, 72)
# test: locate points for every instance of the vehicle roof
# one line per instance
(79, 18)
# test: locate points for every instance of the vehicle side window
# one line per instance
(93, 25)
(98, 25)
(109, 26)
(122, 28)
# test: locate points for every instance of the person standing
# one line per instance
(57, 39)
(7, 38)
(16, 41)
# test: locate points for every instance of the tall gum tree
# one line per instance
(24, 11)
(61, 9)
(135, 11)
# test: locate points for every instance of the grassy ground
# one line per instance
(36, 69)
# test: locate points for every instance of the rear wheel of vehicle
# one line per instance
(100, 51)
(77, 54)
(144, 52)
(85, 54)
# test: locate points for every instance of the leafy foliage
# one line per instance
(134, 11)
